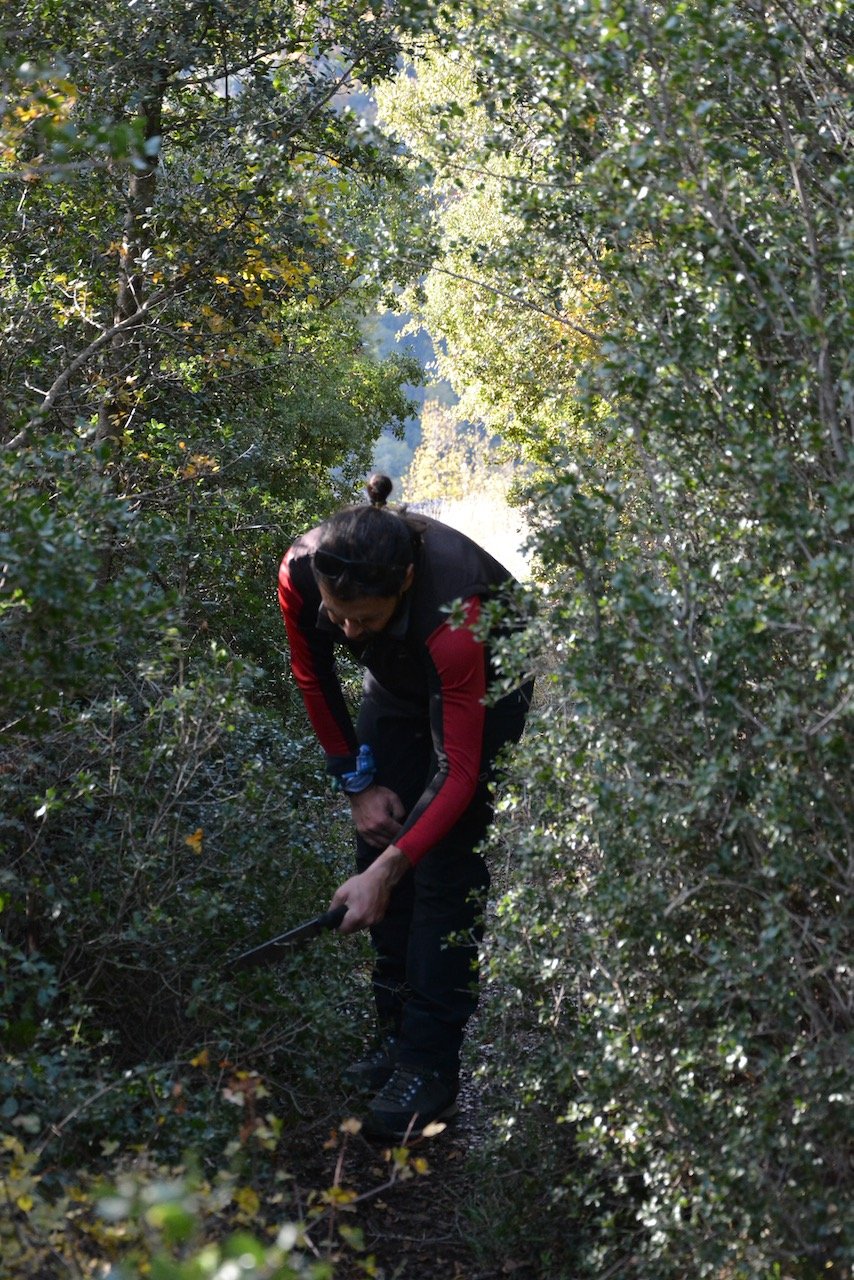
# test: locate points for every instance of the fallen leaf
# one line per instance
(430, 1130)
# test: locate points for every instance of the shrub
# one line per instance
(679, 939)
(154, 822)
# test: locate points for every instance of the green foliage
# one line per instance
(148, 838)
(676, 952)
(167, 1217)
(509, 313)
(185, 263)
(38, 135)
(155, 822)
(254, 201)
(132, 876)
(189, 301)
(169, 1221)
(177, 1222)
(77, 598)
(644, 284)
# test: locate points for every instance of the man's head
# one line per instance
(366, 550)
(361, 616)
(364, 563)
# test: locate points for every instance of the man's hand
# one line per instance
(378, 815)
(366, 895)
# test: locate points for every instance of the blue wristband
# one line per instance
(363, 777)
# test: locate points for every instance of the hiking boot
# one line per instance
(374, 1070)
(412, 1099)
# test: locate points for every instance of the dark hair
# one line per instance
(378, 489)
(366, 550)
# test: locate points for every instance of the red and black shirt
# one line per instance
(440, 670)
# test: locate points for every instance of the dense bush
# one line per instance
(154, 822)
(677, 949)
(184, 387)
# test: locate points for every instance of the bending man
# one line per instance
(416, 770)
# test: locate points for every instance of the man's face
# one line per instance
(366, 615)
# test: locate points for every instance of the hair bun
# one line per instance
(379, 486)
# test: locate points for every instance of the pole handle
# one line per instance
(332, 919)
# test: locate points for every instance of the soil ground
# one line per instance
(418, 1228)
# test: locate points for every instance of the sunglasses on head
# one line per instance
(332, 565)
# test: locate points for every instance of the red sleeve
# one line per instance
(313, 664)
(460, 663)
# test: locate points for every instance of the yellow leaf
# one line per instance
(247, 1200)
(339, 1195)
(24, 1203)
(195, 840)
(201, 461)
(201, 1059)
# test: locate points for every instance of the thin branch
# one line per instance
(80, 360)
(55, 1130)
(824, 371)
(183, 481)
(521, 302)
(831, 715)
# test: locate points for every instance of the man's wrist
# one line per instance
(392, 865)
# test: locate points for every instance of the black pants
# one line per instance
(426, 968)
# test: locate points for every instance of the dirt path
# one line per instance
(417, 1228)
